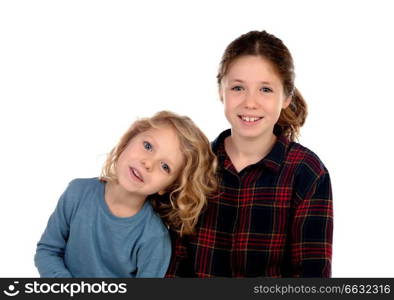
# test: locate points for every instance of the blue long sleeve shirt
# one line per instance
(84, 239)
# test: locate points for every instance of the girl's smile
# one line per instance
(136, 175)
(248, 120)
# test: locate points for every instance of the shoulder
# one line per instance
(304, 159)
(78, 193)
(80, 188)
(308, 168)
(81, 185)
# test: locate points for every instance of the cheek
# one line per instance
(121, 159)
(230, 103)
(228, 113)
(273, 106)
(130, 151)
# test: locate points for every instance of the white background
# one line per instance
(75, 74)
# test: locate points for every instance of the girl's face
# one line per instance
(253, 96)
(150, 162)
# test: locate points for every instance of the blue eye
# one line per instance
(237, 88)
(148, 146)
(165, 167)
(266, 90)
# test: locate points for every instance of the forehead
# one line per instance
(166, 143)
(252, 68)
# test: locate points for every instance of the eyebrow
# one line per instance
(239, 80)
(156, 144)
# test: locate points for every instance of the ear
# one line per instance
(287, 102)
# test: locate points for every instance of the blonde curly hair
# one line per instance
(187, 196)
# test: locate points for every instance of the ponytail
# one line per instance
(293, 116)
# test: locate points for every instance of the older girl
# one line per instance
(272, 215)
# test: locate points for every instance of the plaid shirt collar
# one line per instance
(273, 161)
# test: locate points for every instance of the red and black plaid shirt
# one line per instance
(273, 219)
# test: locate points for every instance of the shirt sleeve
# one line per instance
(312, 230)
(51, 247)
(154, 256)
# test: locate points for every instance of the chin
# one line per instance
(248, 133)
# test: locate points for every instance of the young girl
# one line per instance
(107, 228)
(273, 213)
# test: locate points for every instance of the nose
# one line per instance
(147, 164)
(250, 100)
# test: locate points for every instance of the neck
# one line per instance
(247, 151)
(121, 202)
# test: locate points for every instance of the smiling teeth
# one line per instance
(250, 119)
(135, 172)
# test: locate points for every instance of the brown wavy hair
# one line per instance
(261, 43)
(187, 196)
